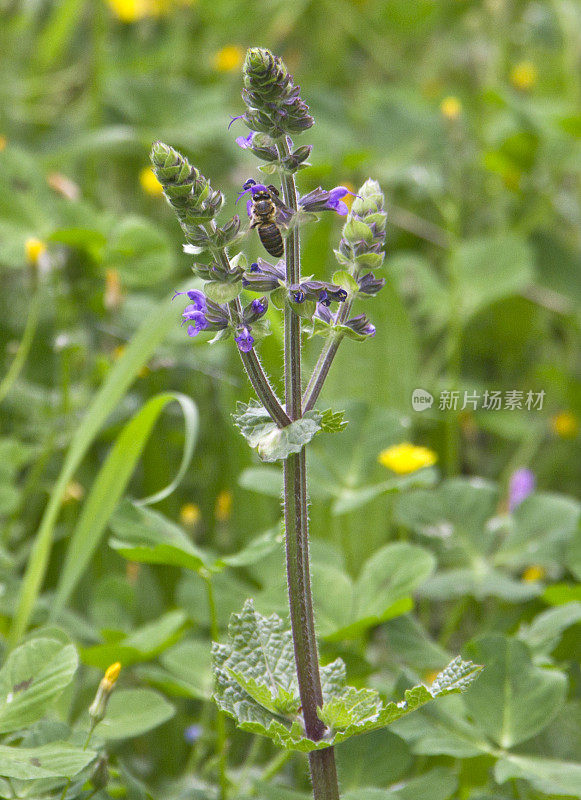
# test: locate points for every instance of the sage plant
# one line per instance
(267, 678)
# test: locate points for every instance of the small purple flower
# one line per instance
(199, 320)
(254, 267)
(369, 284)
(322, 200)
(198, 299)
(192, 733)
(259, 306)
(361, 325)
(298, 296)
(324, 314)
(244, 340)
(245, 142)
(522, 483)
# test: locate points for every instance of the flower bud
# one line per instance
(98, 707)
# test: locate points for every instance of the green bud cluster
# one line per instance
(273, 103)
(192, 198)
(363, 234)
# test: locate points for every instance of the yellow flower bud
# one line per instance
(35, 250)
(451, 108)
(228, 58)
(112, 673)
(523, 76)
(98, 707)
(405, 458)
(149, 182)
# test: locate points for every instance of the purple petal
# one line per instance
(337, 193)
(245, 142)
(340, 207)
(522, 484)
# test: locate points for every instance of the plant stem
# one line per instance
(322, 762)
(324, 361)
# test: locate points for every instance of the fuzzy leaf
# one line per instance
(256, 685)
(333, 421)
(274, 443)
(222, 292)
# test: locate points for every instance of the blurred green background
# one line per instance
(467, 113)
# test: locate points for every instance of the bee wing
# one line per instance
(283, 213)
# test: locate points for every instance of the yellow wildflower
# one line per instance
(149, 182)
(228, 58)
(451, 108)
(112, 673)
(523, 76)
(35, 250)
(565, 424)
(190, 514)
(223, 508)
(131, 10)
(404, 458)
(3, 143)
(534, 573)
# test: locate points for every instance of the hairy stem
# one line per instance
(322, 763)
(253, 367)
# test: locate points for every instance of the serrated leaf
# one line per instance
(274, 443)
(256, 685)
(57, 760)
(333, 421)
(32, 677)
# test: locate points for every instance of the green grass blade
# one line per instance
(111, 482)
(152, 331)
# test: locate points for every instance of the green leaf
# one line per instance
(256, 685)
(32, 677)
(489, 269)
(378, 759)
(142, 644)
(333, 421)
(382, 590)
(346, 280)
(143, 535)
(545, 631)
(544, 774)
(263, 479)
(111, 482)
(513, 700)
(274, 443)
(191, 663)
(140, 252)
(255, 551)
(222, 292)
(57, 760)
(132, 712)
(350, 499)
(151, 332)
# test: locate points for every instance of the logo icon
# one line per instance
(421, 400)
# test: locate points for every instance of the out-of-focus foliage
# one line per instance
(468, 115)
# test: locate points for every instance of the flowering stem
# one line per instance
(322, 763)
(324, 361)
(253, 367)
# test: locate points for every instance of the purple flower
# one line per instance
(259, 306)
(192, 733)
(522, 483)
(322, 200)
(199, 320)
(369, 284)
(361, 325)
(244, 340)
(198, 299)
(245, 142)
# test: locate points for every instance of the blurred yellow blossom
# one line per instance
(35, 249)
(113, 294)
(523, 76)
(348, 199)
(223, 508)
(149, 182)
(3, 143)
(228, 58)
(565, 424)
(190, 514)
(74, 491)
(534, 573)
(404, 458)
(451, 108)
(131, 10)
(63, 186)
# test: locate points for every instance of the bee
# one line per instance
(265, 208)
